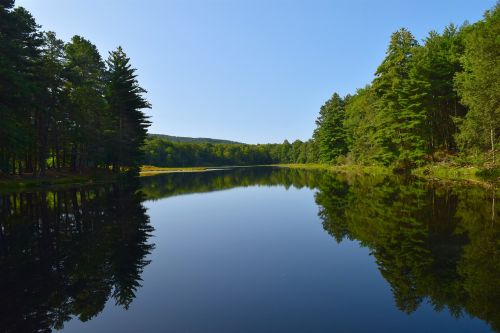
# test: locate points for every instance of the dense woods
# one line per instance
(432, 101)
(61, 105)
(68, 253)
(162, 152)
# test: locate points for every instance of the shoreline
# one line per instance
(440, 173)
(149, 170)
(55, 180)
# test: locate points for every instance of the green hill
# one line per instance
(191, 140)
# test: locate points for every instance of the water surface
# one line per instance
(252, 250)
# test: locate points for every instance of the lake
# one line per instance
(252, 250)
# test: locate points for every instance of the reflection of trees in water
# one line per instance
(431, 243)
(170, 184)
(65, 253)
(439, 244)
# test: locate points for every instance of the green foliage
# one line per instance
(173, 138)
(330, 135)
(411, 113)
(61, 107)
(399, 118)
(360, 126)
(85, 88)
(479, 86)
(19, 61)
(125, 103)
(165, 153)
(431, 77)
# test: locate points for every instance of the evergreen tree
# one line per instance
(125, 103)
(400, 117)
(330, 135)
(479, 86)
(53, 57)
(431, 76)
(85, 89)
(19, 64)
(52, 101)
(360, 126)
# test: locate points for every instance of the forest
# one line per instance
(161, 152)
(63, 107)
(438, 100)
(435, 101)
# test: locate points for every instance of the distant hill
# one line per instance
(191, 140)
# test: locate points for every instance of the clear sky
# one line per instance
(253, 71)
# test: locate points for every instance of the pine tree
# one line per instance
(20, 41)
(330, 135)
(431, 76)
(479, 86)
(360, 126)
(54, 99)
(125, 104)
(85, 90)
(399, 116)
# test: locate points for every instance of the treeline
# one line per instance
(61, 105)
(189, 139)
(429, 101)
(435, 101)
(161, 152)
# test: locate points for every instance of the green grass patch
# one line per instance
(150, 170)
(55, 180)
(455, 173)
(430, 172)
(351, 169)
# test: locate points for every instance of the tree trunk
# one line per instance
(73, 158)
(493, 208)
(120, 145)
(492, 138)
(58, 154)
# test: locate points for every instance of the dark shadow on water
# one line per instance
(64, 254)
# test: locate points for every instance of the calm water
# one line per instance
(251, 250)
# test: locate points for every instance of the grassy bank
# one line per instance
(454, 173)
(429, 172)
(150, 170)
(65, 178)
(54, 180)
(351, 169)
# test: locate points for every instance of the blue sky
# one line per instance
(254, 71)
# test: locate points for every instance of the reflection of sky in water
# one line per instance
(258, 260)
